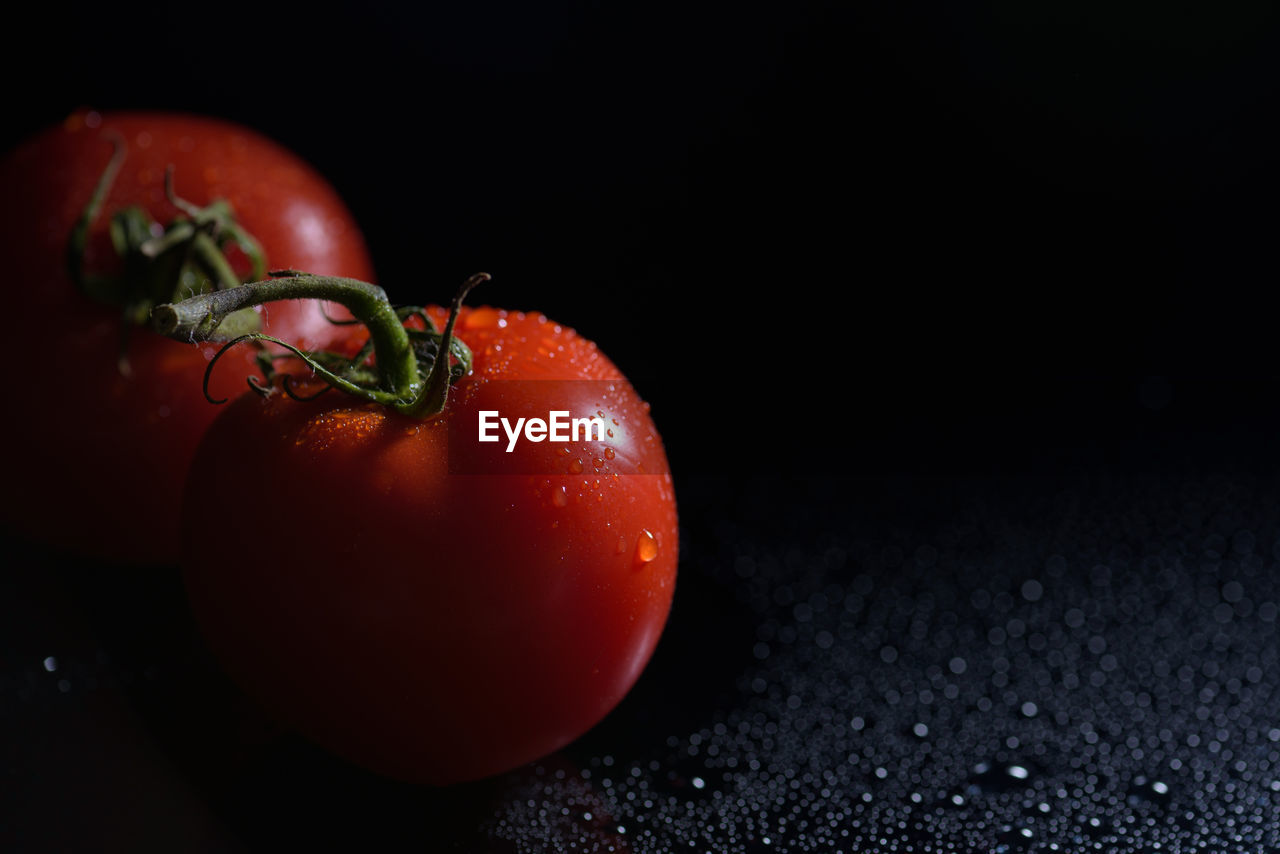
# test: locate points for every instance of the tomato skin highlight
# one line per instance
(433, 626)
(104, 457)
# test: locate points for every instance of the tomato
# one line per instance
(98, 457)
(430, 607)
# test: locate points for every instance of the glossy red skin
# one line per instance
(434, 627)
(103, 458)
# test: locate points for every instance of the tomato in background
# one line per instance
(431, 625)
(97, 459)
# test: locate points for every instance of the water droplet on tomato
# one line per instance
(646, 547)
(609, 453)
(559, 497)
(575, 467)
(481, 318)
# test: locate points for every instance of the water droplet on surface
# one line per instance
(1145, 790)
(1093, 826)
(647, 547)
(575, 467)
(559, 497)
(609, 453)
(999, 777)
(1013, 838)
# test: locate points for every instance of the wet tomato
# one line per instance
(429, 606)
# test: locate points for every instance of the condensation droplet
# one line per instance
(609, 453)
(646, 547)
(559, 497)
(575, 467)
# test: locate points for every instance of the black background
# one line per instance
(996, 237)
(820, 238)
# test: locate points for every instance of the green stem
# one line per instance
(197, 319)
(433, 399)
(212, 262)
(79, 237)
(185, 257)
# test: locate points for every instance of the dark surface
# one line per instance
(913, 664)
(1003, 266)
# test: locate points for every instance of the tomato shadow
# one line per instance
(135, 709)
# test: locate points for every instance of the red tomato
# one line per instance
(98, 459)
(430, 624)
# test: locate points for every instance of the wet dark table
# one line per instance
(1039, 663)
